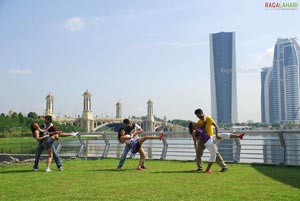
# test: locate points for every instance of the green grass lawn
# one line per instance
(163, 180)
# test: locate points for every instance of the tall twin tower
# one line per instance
(87, 120)
(280, 84)
(223, 77)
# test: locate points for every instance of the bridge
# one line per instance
(92, 124)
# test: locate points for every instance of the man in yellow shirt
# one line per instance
(208, 123)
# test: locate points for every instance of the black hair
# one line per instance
(198, 111)
(119, 133)
(32, 127)
(49, 118)
(126, 121)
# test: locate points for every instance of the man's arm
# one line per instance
(137, 130)
(217, 130)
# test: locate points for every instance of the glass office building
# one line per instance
(281, 84)
(223, 77)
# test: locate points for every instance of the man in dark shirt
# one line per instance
(128, 127)
(51, 131)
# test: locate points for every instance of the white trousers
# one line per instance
(212, 147)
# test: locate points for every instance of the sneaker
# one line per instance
(139, 168)
(34, 169)
(161, 135)
(74, 134)
(241, 136)
(224, 169)
(61, 168)
(119, 168)
(199, 169)
(48, 170)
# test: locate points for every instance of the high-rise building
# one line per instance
(281, 84)
(223, 77)
(267, 95)
(118, 110)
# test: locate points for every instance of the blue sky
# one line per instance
(132, 51)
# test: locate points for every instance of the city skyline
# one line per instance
(131, 52)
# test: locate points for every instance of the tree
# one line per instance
(32, 115)
(22, 119)
(180, 122)
(14, 115)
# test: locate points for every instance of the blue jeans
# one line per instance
(38, 153)
(124, 154)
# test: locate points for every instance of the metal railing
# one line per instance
(258, 146)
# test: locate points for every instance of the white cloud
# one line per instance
(75, 24)
(20, 72)
(264, 55)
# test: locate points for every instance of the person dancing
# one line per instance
(136, 144)
(209, 142)
(43, 137)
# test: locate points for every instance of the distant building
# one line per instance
(223, 77)
(49, 105)
(118, 110)
(87, 120)
(267, 95)
(280, 90)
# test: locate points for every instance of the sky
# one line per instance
(132, 51)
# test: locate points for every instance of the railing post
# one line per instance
(283, 146)
(165, 149)
(79, 153)
(238, 150)
(107, 145)
(59, 145)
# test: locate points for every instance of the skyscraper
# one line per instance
(223, 77)
(267, 95)
(281, 84)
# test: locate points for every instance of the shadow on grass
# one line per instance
(181, 171)
(15, 171)
(111, 170)
(288, 175)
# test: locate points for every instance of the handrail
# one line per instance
(258, 146)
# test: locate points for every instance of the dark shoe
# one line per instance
(144, 167)
(199, 169)
(224, 169)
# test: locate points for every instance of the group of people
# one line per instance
(202, 133)
(45, 135)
